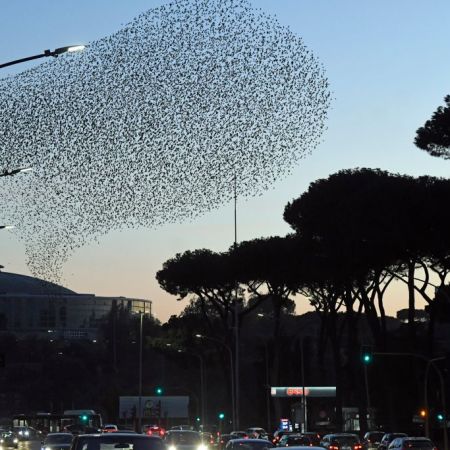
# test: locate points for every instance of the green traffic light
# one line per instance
(440, 417)
(367, 358)
(84, 418)
(198, 419)
(159, 390)
(221, 416)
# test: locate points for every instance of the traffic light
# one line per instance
(423, 413)
(84, 418)
(440, 417)
(159, 390)
(366, 354)
(197, 419)
(221, 416)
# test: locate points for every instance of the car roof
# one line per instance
(415, 438)
(113, 436)
(249, 440)
(304, 447)
(59, 434)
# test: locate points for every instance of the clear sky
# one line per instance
(388, 63)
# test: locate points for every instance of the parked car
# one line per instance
(184, 440)
(57, 441)
(9, 439)
(108, 441)
(248, 444)
(341, 441)
(416, 443)
(289, 440)
(372, 439)
(388, 438)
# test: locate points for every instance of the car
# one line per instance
(9, 439)
(313, 437)
(409, 442)
(248, 444)
(207, 438)
(278, 435)
(109, 428)
(183, 427)
(184, 440)
(341, 441)
(257, 433)
(123, 441)
(388, 438)
(372, 439)
(153, 430)
(57, 441)
(240, 434)
(222, 440)
(296, 440)
(23, 433)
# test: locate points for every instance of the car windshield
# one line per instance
(418, 443)
(375, 436)
(183, 438)
(58, 439)
(345, 440)
(251, 445)
(129, 442)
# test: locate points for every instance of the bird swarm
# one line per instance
(149, 125)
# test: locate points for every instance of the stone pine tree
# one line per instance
(434, 136)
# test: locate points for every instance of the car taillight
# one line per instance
(161, 432)
(149, 432)
(357, 447)
(334, 447)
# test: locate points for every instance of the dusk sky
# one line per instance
(388, 64)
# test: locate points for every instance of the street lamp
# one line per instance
(141, 315)
(232, 373)
(202, 383)
(46, 53)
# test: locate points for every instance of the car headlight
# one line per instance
(1, 441)
(48, 448)
(172, 447)
(202, 447)
(27, 433)
(15, 440)
(21, 432)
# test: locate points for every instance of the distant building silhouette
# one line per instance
(31, 306)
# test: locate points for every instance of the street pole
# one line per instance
(269, 420)
(44, 54)
(302, 362)
(232, 372)
(430, 362)
(236, 319)
(140, 373)
(366, 384)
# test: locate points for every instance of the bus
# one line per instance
(75, 421)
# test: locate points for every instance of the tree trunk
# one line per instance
(411, 303)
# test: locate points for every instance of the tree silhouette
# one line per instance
(434, 136)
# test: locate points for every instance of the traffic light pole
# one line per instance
(430, 362)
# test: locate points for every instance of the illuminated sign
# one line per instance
(297, 391)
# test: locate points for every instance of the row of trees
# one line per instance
(355, 234)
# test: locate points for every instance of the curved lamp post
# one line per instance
(232, 372)
(46, 53)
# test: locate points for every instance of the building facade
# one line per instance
(33, 307)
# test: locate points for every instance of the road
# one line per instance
(28, 445)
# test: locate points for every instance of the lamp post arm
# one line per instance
(29, 58)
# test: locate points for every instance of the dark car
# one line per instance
(388, 438)
(341, 441)
(411, 443)
(372, 439)
(183, 440)
(248, 444)
(288, 440)
(57, 441)
(223, 439)
(154, 430)
(9, 439)
(313, 437)
(123, 441)
(278, 435)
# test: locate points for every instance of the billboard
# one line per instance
(172, 407)
(310, 391)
